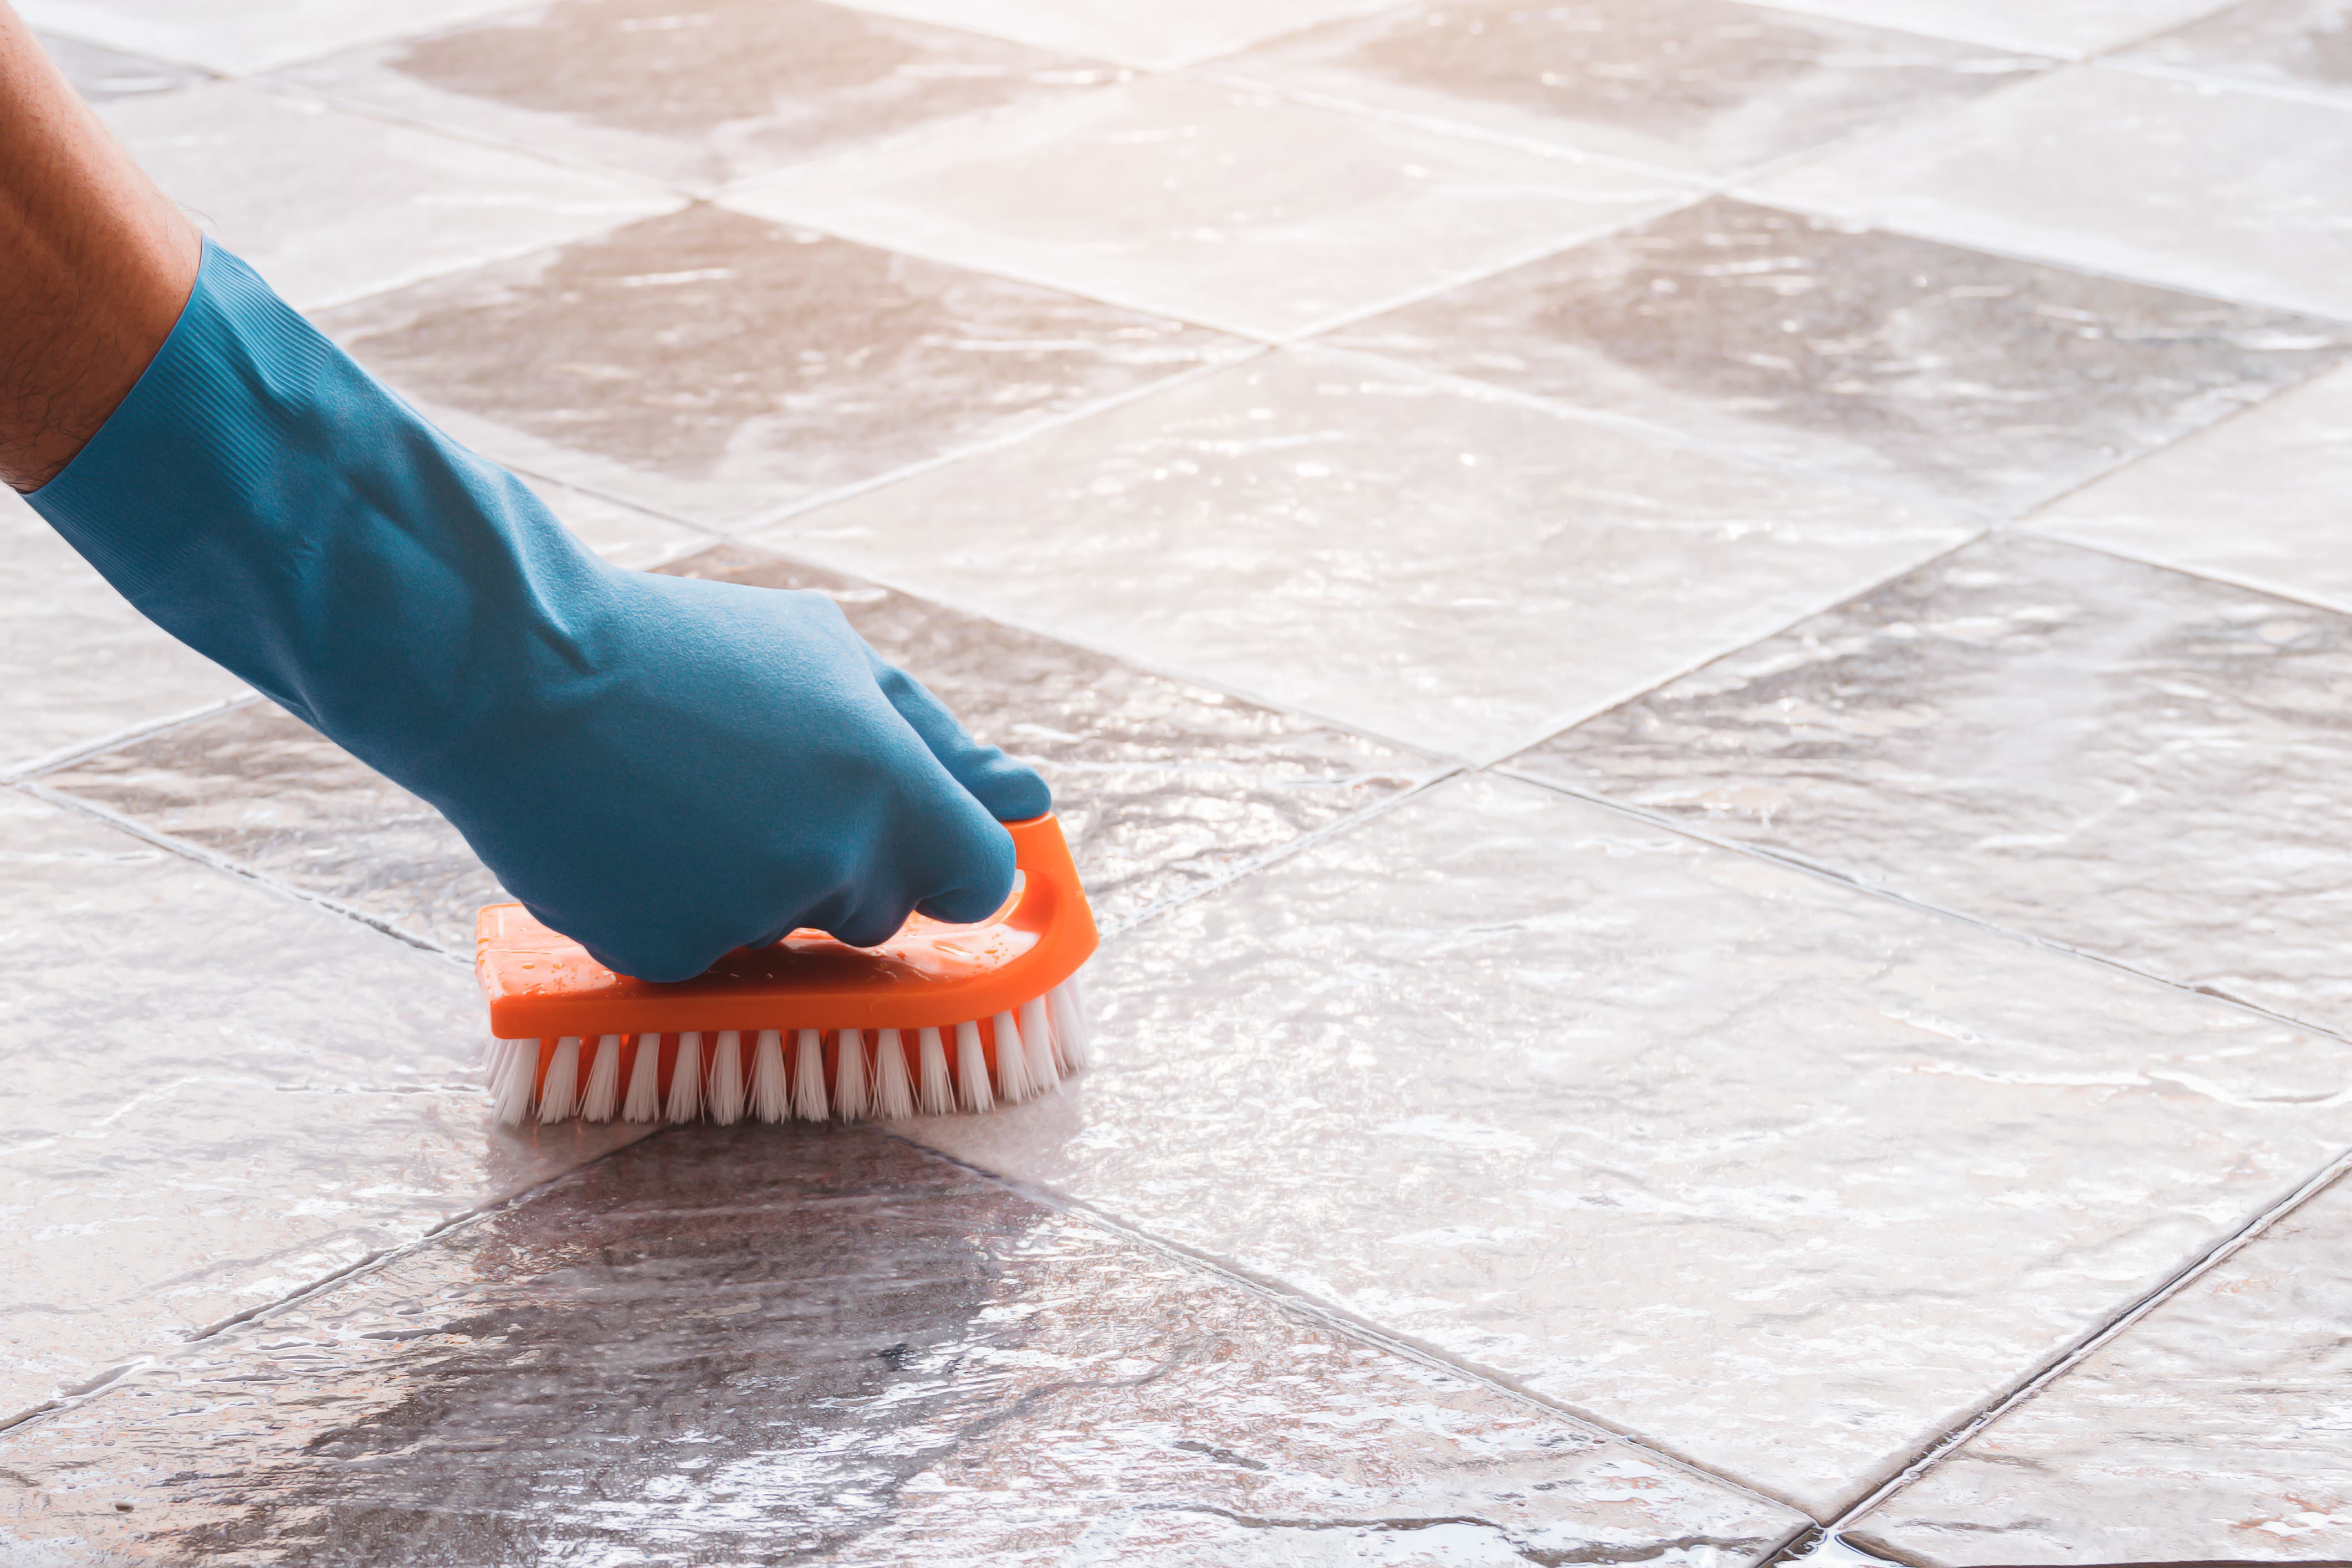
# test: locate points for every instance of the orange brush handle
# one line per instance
(543, 984)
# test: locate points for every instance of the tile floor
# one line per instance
(1697, 654)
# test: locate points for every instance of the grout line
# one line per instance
(221, 863)
(2189, 76)
(2053, 534)
(1350, 1325)
(66, 757)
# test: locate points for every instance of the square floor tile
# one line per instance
(1411, 558)
(328, 205)
(1988, 381)
(217, 1095)
(2144, 765)
(1151, 33)
(696, 94)
(238, 36)
(713, 366)
(99, 73)
(819, 1344)
(76, 662)
(2300, 45)
(2228, 193)
(1781, 1175)
(2071, 27)
(2211, 1431)
(2254, 500)
(1710, 86)
(1160, 194)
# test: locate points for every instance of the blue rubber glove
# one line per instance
(661, 768)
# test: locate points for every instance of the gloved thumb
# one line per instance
(1009, 791)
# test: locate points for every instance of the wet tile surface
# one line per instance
(99, 73)
(821, 1343)
(697, 94)
(328, 205)
(239, 36)
(1350, 538)
(2070, 28)
(1975, 378)
(2211, 1430)
(2252, 500)
(712, 365)
(2123, 760)
(1710, 86)
(1162, 788)
(2303, 45)
(1148, 35)
(1158, 193)
(1782, 1175)
(76, 662)
(2227, 193)
(217, 1095)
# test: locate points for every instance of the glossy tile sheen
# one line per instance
(2135, 763)
(2301, 44)
(1407, 557)
(1778, 1174)
(2212, 1428)
(1150, 35)
(712, 365)
(1711, 86)
(2252, 500)
(1988, 382)
(696, 94)
(2228, 193)
(239, 36)
(818, 1344)
(2071, 27)
(217, 1095)
(1159, 194)
(328, 205)
(99, 74)
(76, 662)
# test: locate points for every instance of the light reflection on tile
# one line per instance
(2303, 45)
(99, 74)
(696, 94)
(1994, 383)
(1150, 35)
(2228, 193)
(328, 205)
(1350, 538)
(2211, 1430)
(238, 36)
(1711, 86)
(217, 1095)
(809, 1342)
(2071, 27)
(1779, 1175)
(2254, 500)
(76, 662)
(710, 365)
(1159, 194)
(2135, 763)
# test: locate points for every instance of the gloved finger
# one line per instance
(1012, 791)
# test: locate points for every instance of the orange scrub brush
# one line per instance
(938, 1019)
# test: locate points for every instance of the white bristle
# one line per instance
(849, 1076)
(972, 1069)
(1013, 1085)
(939, 1089)
(556, 1095)
(808, 1077)
(771, 1095)
(1037, 1040)
(685, 1079)
(643, 1102)
(894, 1090)
(727, 1078)
(513, 1064)
(604, 1091)
(1069, 1026)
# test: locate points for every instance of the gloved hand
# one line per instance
(660, 767)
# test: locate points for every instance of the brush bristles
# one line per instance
(779, 1075)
